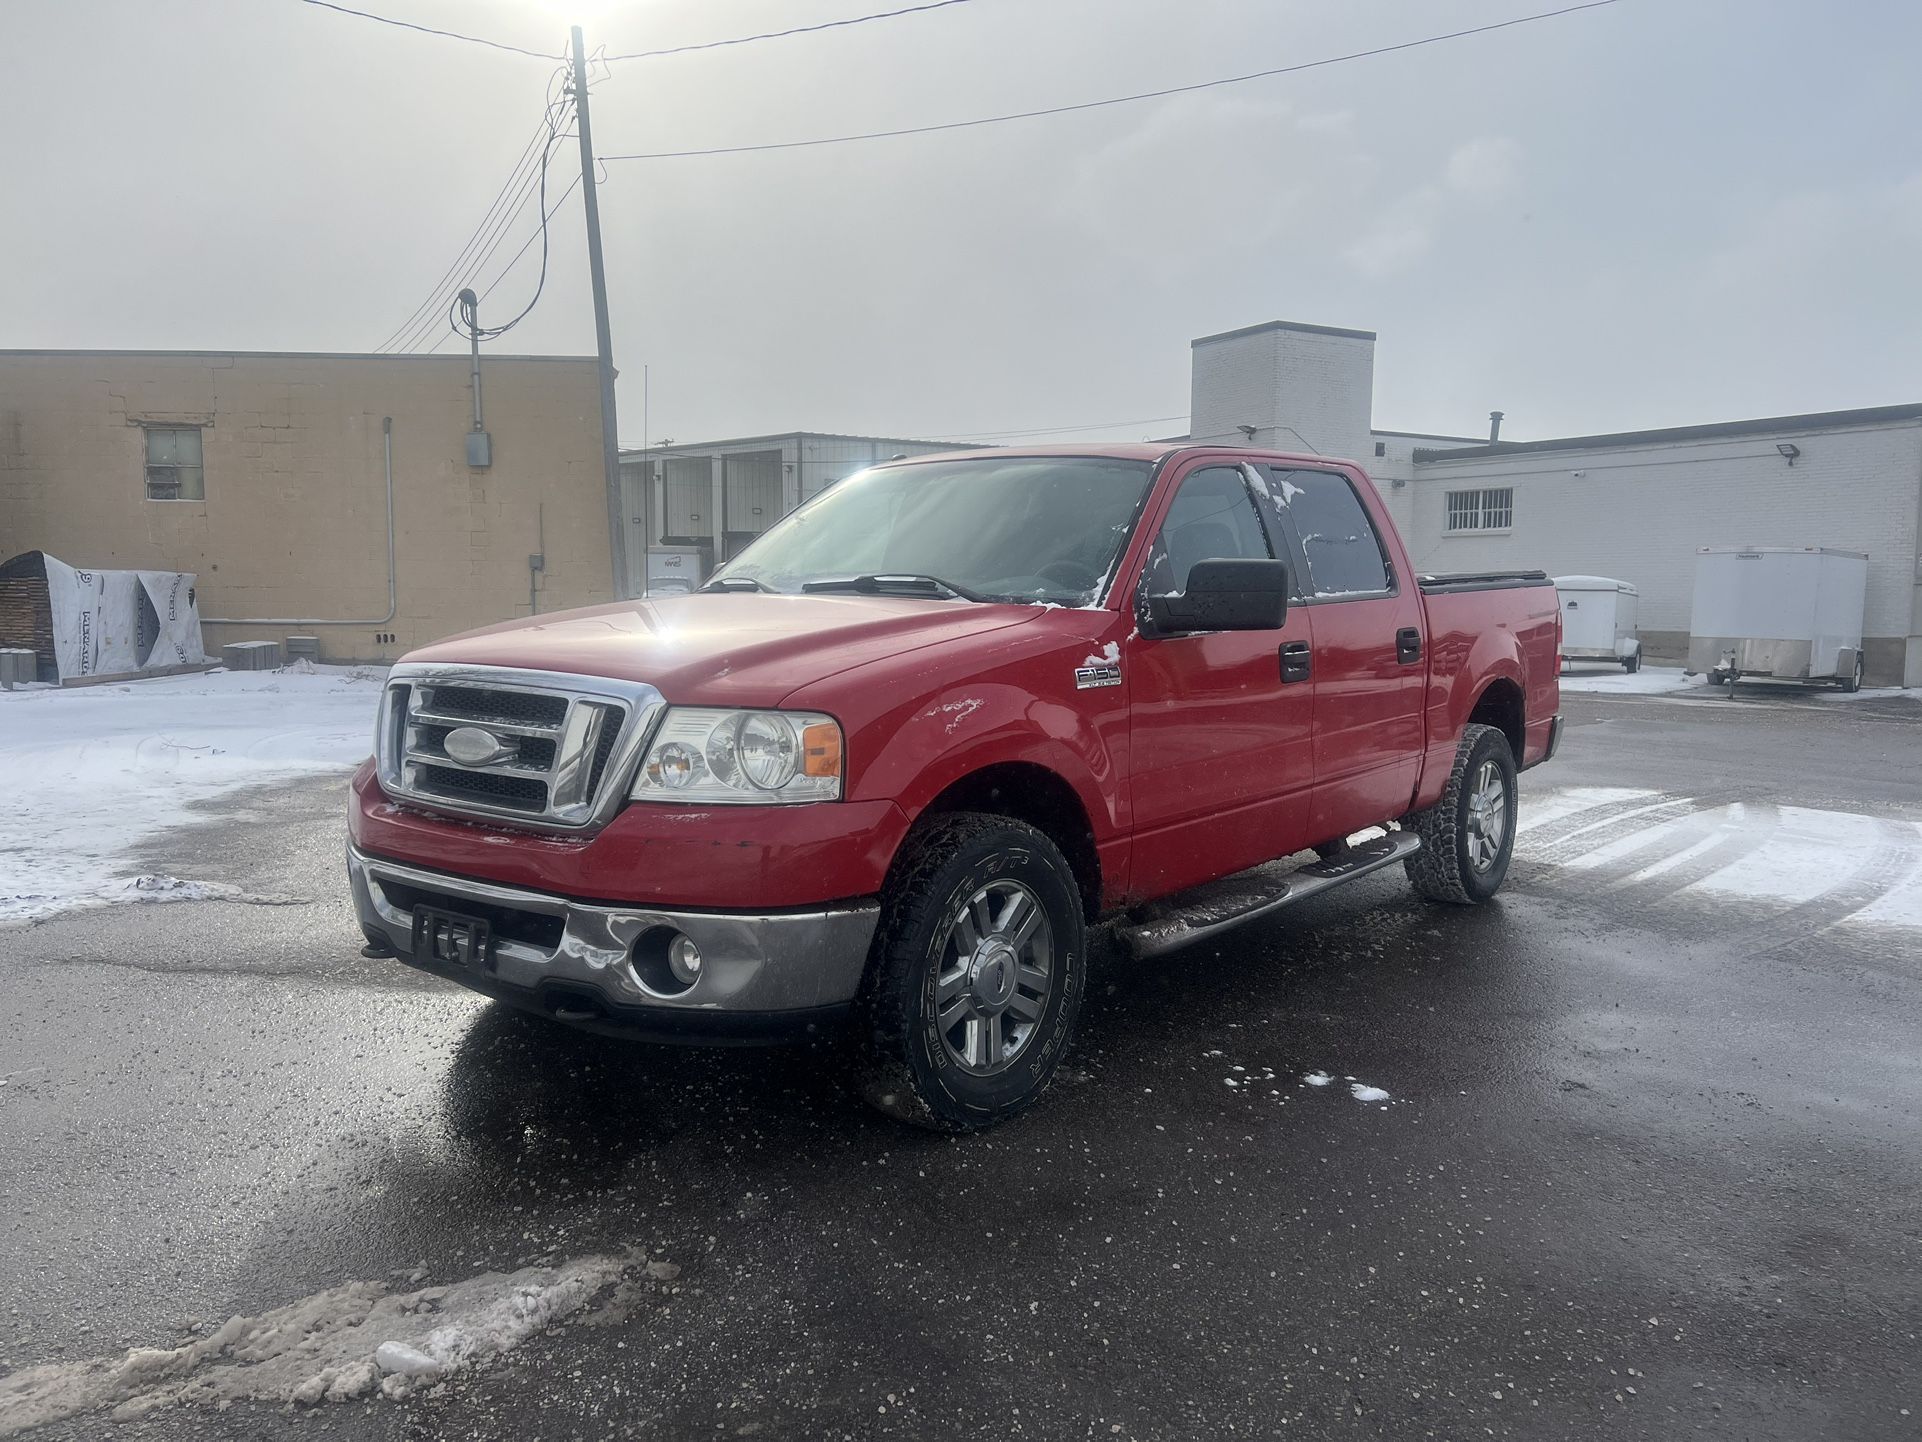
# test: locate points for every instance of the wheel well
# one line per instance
(1046, 802)
(1502, 707)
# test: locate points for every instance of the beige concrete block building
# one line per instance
(267, 476)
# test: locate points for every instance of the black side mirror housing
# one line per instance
(1225, 595)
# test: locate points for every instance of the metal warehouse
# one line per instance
(712, 498)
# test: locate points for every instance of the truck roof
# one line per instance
(1121, 451)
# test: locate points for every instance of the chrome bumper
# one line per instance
(781, 962)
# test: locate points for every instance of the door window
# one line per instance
(1213, 518)
(1340, 550)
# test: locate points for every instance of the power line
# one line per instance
(480, 248)
(465, 318)
(514, 260)
(488, 236)
(520, 176)
(548, 215)
(1115, 99)
(430, 30)
(780, 34)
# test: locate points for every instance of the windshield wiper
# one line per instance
(735, 583)
(892, 581)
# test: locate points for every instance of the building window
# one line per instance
(1489, 510)
(174, 471)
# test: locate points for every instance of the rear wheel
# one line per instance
(976, 975)
(1632, 664)
(1853, 681)
(1468, 837)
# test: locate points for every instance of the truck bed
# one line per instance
(1504, 624)
(1480, 581)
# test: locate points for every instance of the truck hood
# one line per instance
(726, 649)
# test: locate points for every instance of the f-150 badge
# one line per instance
(1102, 669)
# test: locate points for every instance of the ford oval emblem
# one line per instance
(472, 746)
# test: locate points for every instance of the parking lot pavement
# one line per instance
(1644, 1165)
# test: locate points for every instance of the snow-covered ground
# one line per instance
(1768, 858)
(1669, 680)
(94, 772)
(1613, 680)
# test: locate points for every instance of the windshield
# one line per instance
(1029, 528)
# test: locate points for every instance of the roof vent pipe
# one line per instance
(1494, 427)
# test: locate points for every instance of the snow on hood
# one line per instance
(729, 648)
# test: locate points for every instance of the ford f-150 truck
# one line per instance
(894, 762)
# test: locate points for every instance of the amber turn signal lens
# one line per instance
(821, 749)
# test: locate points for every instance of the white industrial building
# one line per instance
(1635, 505)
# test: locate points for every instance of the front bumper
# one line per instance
(764, 976)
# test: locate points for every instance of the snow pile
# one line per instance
(336, 1345)
(1613, 681)
(94, 772)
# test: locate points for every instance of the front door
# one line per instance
(1221, 745)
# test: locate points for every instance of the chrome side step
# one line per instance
(1213, 908)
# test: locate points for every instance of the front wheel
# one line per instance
(1468, 837)
(976, 975)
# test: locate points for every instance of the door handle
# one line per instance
(1408, 645)
(1295, 658)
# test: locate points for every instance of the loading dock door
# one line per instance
(751, 489)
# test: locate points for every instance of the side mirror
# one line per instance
(1221, 596)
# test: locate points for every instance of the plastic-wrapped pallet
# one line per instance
(251, 655)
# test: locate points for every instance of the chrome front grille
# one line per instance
(541, 748)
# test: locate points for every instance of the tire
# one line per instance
(1014, 996)
(1632, 664)
(1455, 864)
(1853, 682)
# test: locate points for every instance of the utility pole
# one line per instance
(603, 335)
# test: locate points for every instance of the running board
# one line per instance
(1213, 908)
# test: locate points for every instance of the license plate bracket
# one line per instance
(447, 938)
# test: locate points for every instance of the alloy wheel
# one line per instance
(1487, 816)
(996, 974)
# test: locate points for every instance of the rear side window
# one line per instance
(1339, 546)
(1212, 518)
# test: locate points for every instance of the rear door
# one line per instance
(1366, 632)
(1221, 744)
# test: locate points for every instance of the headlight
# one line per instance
(706, 757)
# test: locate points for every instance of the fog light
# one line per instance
(684, 960)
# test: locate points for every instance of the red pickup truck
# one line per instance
(895, 761)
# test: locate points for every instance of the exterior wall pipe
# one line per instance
(393, 595)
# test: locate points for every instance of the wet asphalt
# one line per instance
(1649, 1167)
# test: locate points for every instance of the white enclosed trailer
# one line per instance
(1598, 620)
(1792, 613)
(675, 570)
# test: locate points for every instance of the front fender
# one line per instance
(923, 750)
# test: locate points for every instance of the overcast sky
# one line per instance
(1659, 212)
